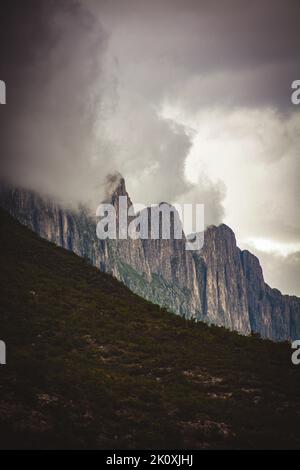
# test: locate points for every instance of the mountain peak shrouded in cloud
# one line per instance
(73, 119)
(114, 185)
(189, 101)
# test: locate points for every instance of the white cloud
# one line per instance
(254, 152)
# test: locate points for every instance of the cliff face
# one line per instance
(226, 292)
(219, 284)
(271, 314)
(162, 271)
(74, 231)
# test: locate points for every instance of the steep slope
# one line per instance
(220, 284)
(92, 365)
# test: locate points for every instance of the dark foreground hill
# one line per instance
(92, 365)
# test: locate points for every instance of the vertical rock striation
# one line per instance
(226, 292)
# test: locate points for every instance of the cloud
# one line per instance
(207, 52)
(189, 101)
(255, 153)
(56, 83)
(73, 116)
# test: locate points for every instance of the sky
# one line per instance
(190, 101)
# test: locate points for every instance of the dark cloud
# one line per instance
(255, 44)
(51, 60)
(73, 116)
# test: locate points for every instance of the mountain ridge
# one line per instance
(219, 284)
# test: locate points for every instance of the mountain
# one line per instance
(219, 284)
(92, 365)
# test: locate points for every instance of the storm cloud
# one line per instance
(189, 101)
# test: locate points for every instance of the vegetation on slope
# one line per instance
(92, 365)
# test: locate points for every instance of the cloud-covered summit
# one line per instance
(189, 101)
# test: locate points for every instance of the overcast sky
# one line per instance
(189, 100)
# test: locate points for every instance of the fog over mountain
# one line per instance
(189, 101)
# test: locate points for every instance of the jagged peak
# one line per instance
(121, 187)
(115, 187)
(220, 231)
(115, 182)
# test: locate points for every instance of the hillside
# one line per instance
(92, 365)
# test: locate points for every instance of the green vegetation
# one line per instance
(132, 277)
(92, 365)
(164, 293)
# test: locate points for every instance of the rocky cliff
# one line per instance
(219, 284)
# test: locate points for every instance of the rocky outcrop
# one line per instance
(226, 292)
(162, 271)
(219, 284)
